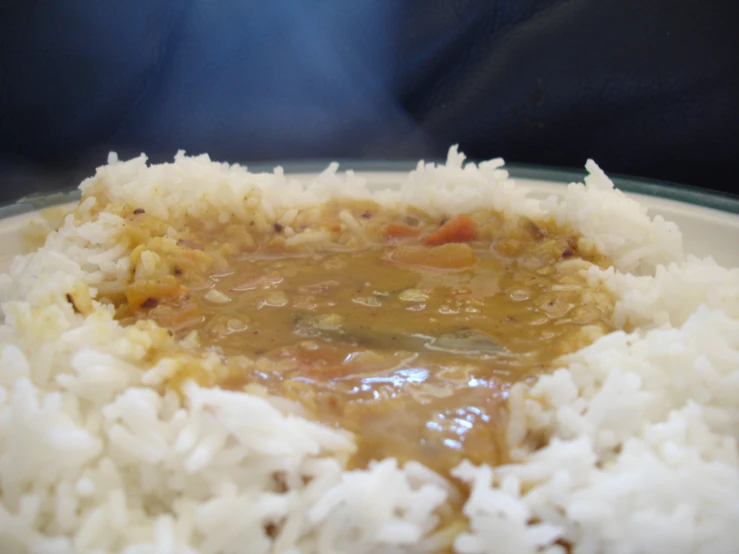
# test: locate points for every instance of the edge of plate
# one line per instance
(707, 198)
(687, 194)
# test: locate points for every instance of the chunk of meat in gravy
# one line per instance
(411, 341)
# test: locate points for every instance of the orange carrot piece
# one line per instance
(322, 361)
(447, 257)
(458, 229)
(400, 230)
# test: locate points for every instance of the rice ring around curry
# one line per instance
(203, 359)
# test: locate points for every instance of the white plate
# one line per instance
(709, 221)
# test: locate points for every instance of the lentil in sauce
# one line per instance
(409, 338)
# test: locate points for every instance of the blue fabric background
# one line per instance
(647, 88)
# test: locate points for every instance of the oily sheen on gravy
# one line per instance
(409, 336)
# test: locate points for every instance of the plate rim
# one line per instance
(686, 194)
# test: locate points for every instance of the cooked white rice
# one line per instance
(643, 427)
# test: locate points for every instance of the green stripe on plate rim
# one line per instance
(660, 189)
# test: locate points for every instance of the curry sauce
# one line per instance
(409, 338)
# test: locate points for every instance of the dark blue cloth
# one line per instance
(646, 88)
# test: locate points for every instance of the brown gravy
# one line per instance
(410, 345)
